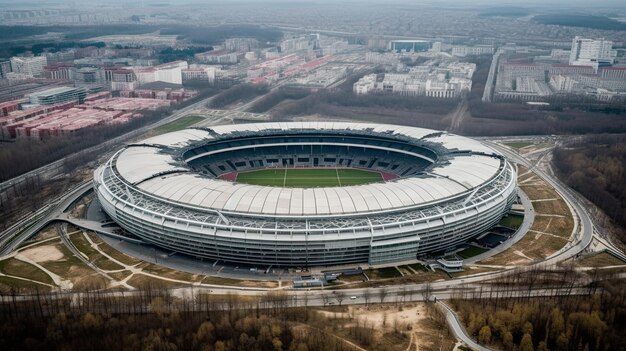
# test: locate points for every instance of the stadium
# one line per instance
(306, 193)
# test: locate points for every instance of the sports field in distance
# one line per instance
(308, 177)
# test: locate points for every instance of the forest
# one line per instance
(238, 93)
(39, 48)
(274, 98)
(342, 97)
(171, 54)
(197, 35)
(587, 21)
(154, 319)
(593, 320)
(595, 166)
(216, 35)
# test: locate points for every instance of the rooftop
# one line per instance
(54, 91)
(154, 166)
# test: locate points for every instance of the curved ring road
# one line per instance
(443, 289)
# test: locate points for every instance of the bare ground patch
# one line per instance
(43, 253)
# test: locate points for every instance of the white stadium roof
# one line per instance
(162, 175)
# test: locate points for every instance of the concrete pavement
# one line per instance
(582, 235)
(529, 219)
(442, 289)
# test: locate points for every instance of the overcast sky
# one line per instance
(589, 3)
(580, 4)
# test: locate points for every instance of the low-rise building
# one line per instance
(218, 57)
(31, 66)
(462, 50)
(59, 71)
(448, 80)
(199, 74)
(5, 68)
(240, 44)
(410, 45)
(170, 72)
(57, 96)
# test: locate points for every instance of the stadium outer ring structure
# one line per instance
(152, 190)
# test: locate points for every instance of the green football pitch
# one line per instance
(308, 177)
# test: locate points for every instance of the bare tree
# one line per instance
(325, 298)
(427, 292)
(403, 293)
(306, 305)
(340, 296)
(367, 295)
(382, 293)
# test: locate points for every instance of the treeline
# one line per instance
(325, 100)
(152, 319)
(39, 48)
(238, 93)
(595, 167)
(560, 322)
(276, 97)
(216, 35)
(564, 115)
(391, 101)
(587, 21)
(171, 54)
(16, 32)
(199, 35)
(328, 101)
(517, 119)
(410, 62)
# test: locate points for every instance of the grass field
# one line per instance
(471, 252)
(179, 124)
(307, 177)
(519, 144)
(512, 221)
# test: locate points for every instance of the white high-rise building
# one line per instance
(170, 72)
(32, 66)
(591, 52)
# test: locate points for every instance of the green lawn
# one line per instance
(15, 267)
(471, 252)
(383, 273)
(519, 144)
(179, 124)
(307, 177)
(511, 221)
(418, 267)
(8, 284)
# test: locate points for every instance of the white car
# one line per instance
(353, 297)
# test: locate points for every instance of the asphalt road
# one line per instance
(583, 238)
(409, 292)
(9, 242)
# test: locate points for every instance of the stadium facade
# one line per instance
(167, 191)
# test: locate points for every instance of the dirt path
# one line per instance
(59, 281)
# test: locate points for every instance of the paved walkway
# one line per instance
(458, 330)
(60, 282)
(529, 219)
